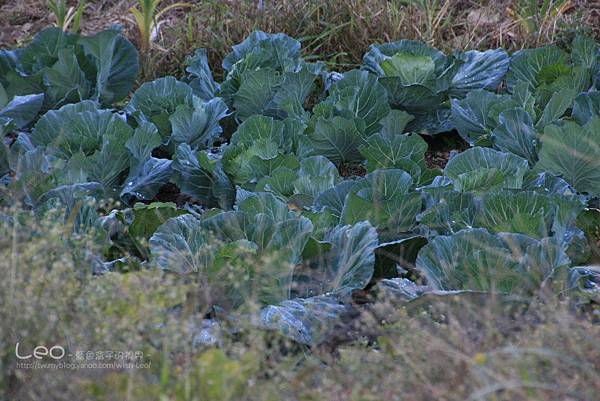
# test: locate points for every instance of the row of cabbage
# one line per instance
(502, 216)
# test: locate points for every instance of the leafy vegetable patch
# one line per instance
(299, 205)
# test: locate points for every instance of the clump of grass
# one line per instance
(148, 17)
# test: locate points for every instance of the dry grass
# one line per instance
(337, 32)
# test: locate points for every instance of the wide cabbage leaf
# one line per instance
(157, 101)
(20, 111)
(414, 75)
(533, 66)
(69, 68)
(263, 219)
(339, 139)
(116, 65)
(198, 124)
(144, 140)
(145, 182)
(419, 78)
(586, 106)
(519, 212)
(32, 176)
(78, 128)
(516, 134)
(549, 70)
(181, 245)
(266, 75)
(358, 95)
(201, 77)
(198, 176)
(479, 70)
(384, 198)
(395, 122)
(186, 244)
(280, 182)
(264, 91)
(65, 81)
(347, 266)
(90, 144)
(180, 116)
(259, 147)
(333, 199)
(449, 212)
(476, 116)
(278, 51)
(571, 151)
(305, 320)
(399, 151)
(316, 174)
(474, 259)
(483, 169)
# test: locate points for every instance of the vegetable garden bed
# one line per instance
(339, 196)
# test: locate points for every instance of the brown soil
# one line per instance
(440, 148)
(170, 193)
(352, 170)
(437, 158)
(20, 20)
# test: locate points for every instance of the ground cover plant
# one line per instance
(297, 201)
